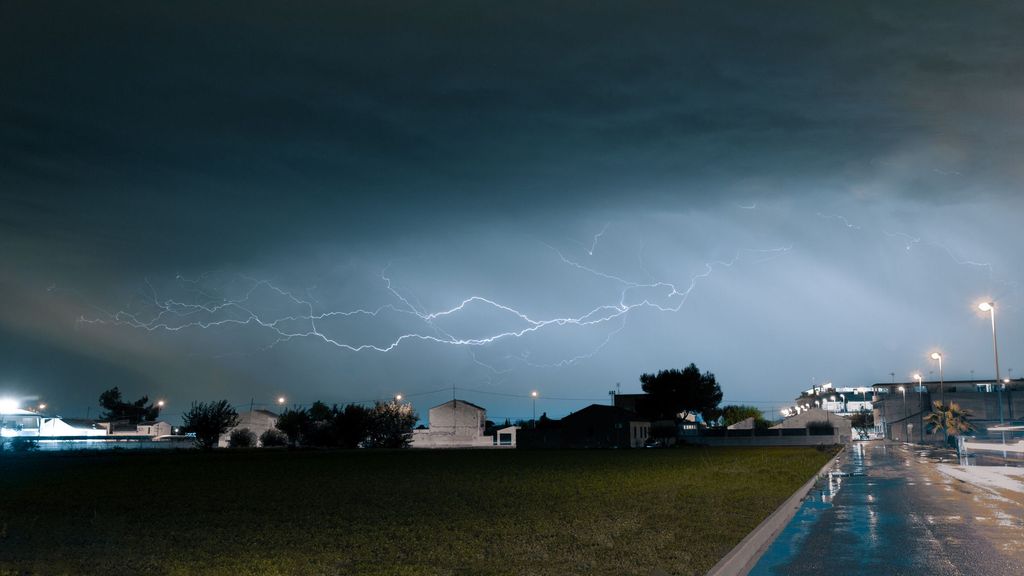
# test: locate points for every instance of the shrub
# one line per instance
(242, 438)
(23, 444)
(272, 438)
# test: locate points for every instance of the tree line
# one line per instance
(385, 425)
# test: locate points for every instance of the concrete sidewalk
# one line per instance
(988, 477)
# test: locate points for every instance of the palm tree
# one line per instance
(951, 419)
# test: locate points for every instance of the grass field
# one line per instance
(397, 512)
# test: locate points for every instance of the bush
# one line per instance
(23, 444)
(242, 438)
(272, 438)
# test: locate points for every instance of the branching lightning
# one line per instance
(593, 242)
(304, 316)
(840, 218)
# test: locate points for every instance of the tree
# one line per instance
(680, 393)
(242, 438)
(732, 414)
(117, 409)
(391, 425)
(319, 429)
(711, 416)
(208, 421)
(352, 425)
(273, 437)
(293, 422)
(950, 418)
(862, 420)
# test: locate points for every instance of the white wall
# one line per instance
(256, 421)
(457, 418)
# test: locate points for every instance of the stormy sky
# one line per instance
(347, 200)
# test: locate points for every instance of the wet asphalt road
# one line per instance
(887, 510)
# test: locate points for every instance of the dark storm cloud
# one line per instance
(161, 118)
(316, 143)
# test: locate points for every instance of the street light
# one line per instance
(942, 395)
(281, 400)
(159, 404)
(533, 395)
(920, 400)
(398, 397)
(990, 307)
(42, 407)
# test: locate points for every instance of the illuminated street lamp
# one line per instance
(398, 397)
(920, 400)
(281, 400)
(533, 395)
(159, 404)
(990, 307)
(42, 407)
(942, 395)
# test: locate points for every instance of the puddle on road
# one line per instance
(854, 523)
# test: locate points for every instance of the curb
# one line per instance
(742, 559)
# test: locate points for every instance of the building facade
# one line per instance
(256, 421)
(455, 424)
(900, 408)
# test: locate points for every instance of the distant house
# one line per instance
(745, 424)
(71, 427)
(506, 436)
(600, 426)
(24, 423)
(645, 406)
(256, 421)
(154, 429)
(456, 424)
(637, 403)
(596, 426)
(814, 416)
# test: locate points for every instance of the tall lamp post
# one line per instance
(534, 396)
(942, 385)
(920, 400)
(990, 307)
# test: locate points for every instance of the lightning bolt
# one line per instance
(840, 218)
(593, 241)
(303, 316)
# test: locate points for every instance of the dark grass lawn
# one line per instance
(396, 512)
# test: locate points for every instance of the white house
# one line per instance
(506, 436)
(454, 424)
(154, 429)
(256, 421)
(15, 422)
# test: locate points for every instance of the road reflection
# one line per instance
(885, 509)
